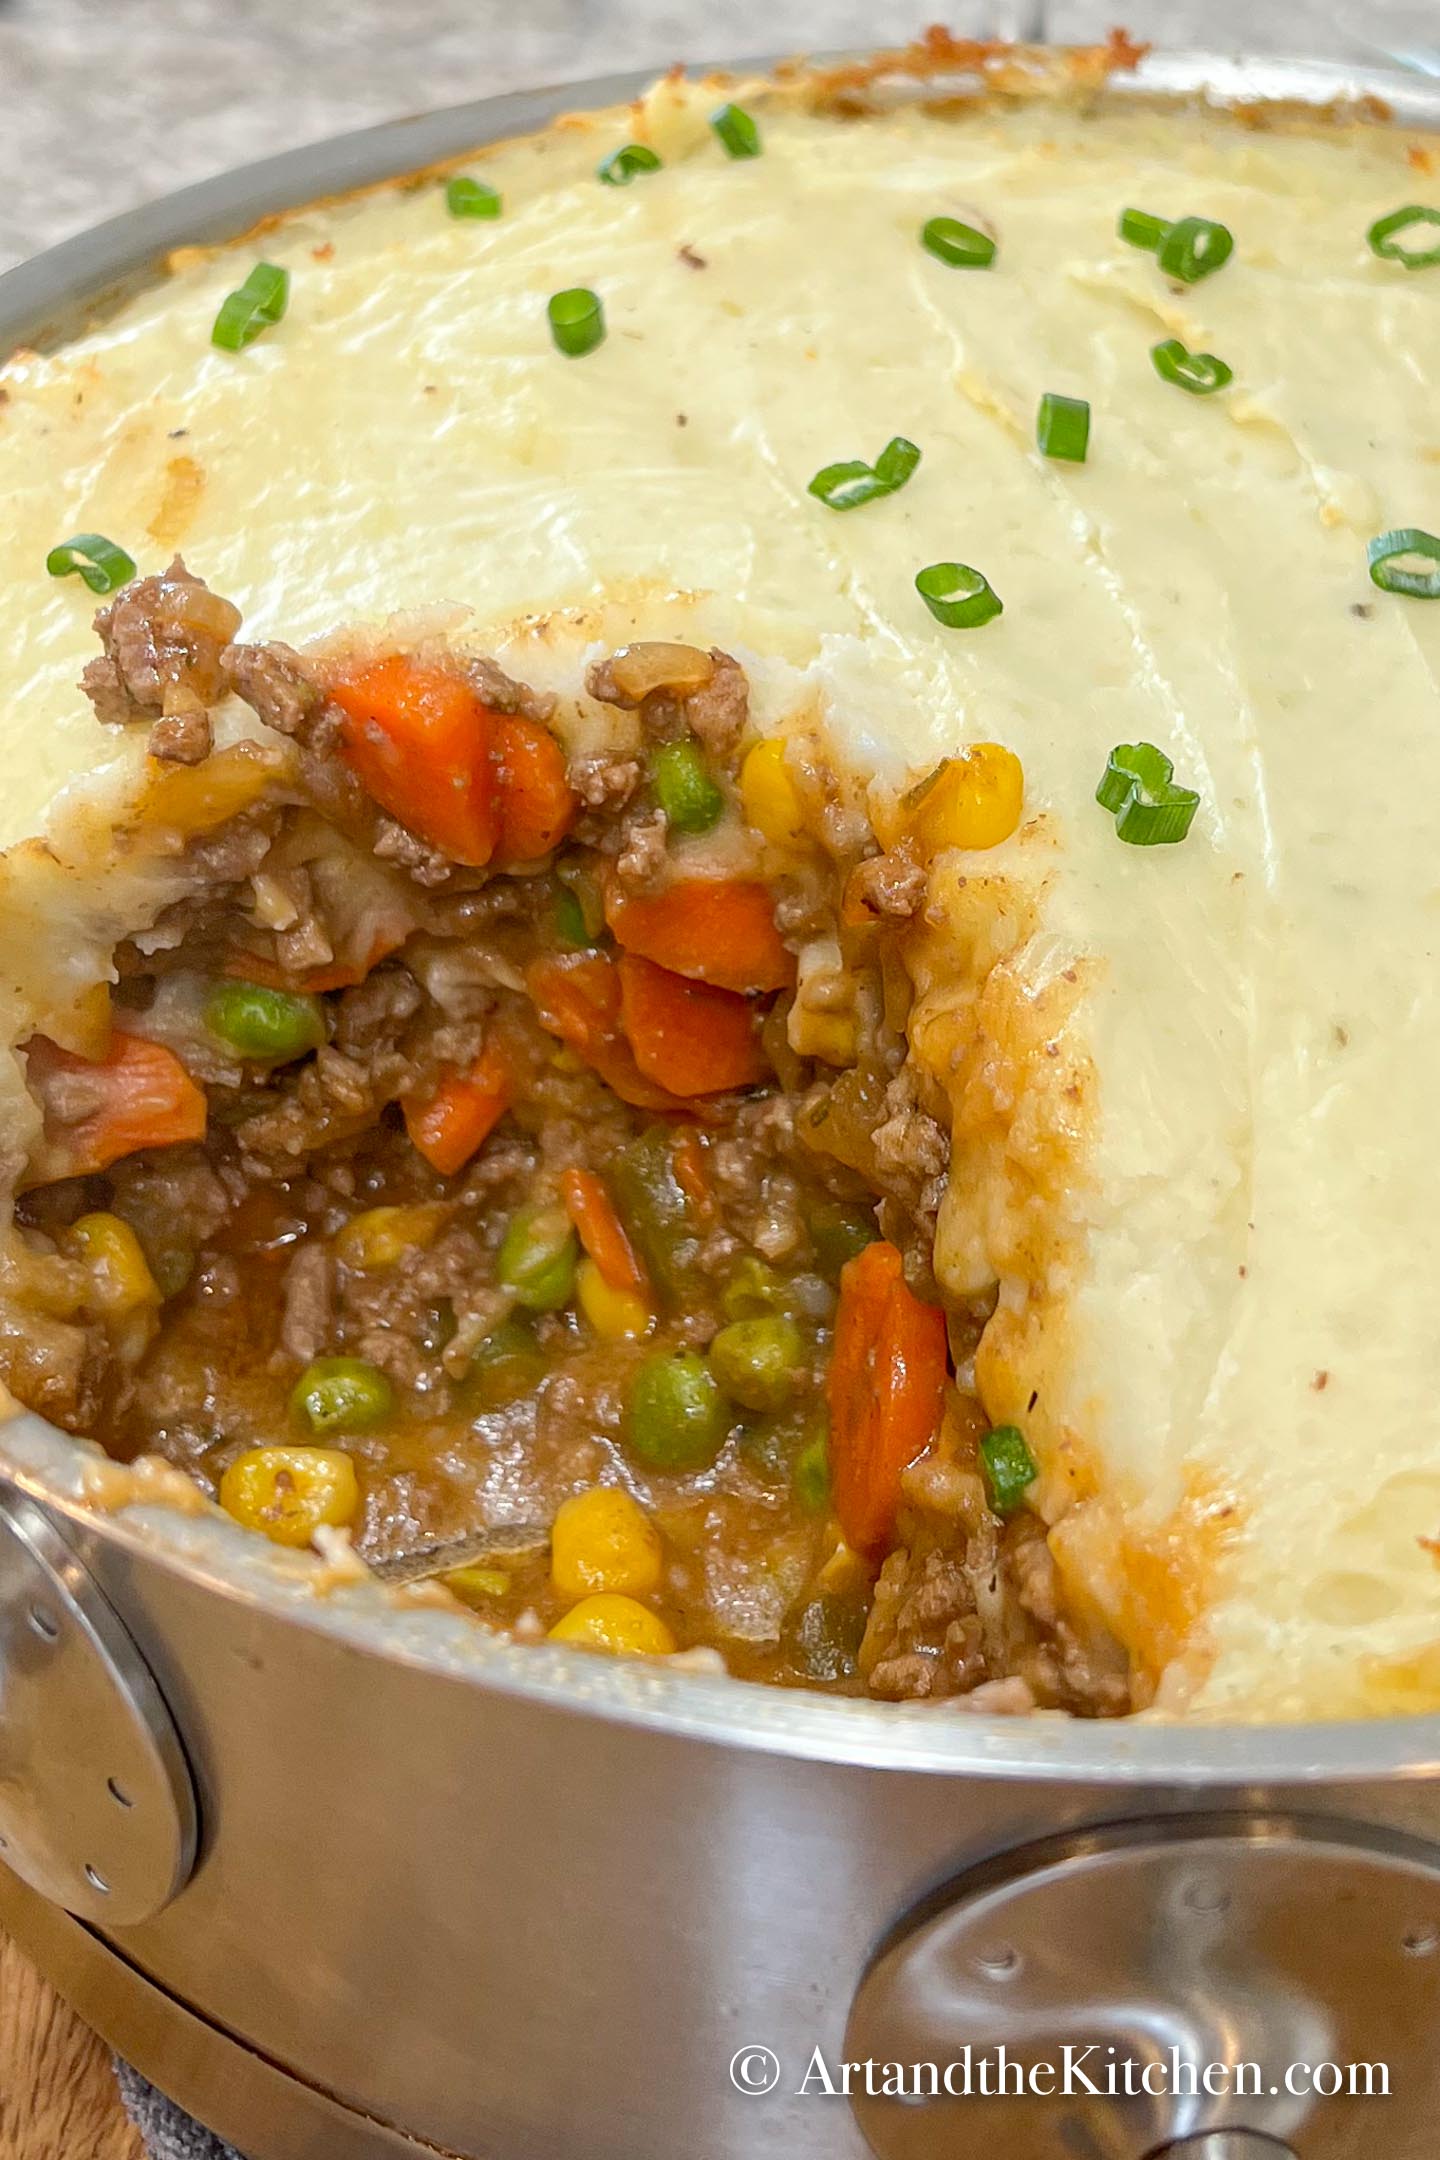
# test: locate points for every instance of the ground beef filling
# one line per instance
(496, 1174)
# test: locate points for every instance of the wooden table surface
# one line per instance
(57, 2090)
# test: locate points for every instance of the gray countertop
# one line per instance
(104, 103)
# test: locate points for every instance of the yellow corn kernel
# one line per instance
(383, 1235)
(477, 1582)
(973, 801)
(617, 1315)
(288, 1492)
(616, 1624)
(770, 797)
(120, 1277)
(604, 1540)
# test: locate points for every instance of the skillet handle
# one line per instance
(97, 1803)
(1234, 1984)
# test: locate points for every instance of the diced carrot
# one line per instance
(577, 997)
(715, 930)
(138, 1095)
(690, 1172)
(419, 741)
(537, 802)
(885, 1390)
(602, 1233)
(448, 1125)
(688, 1036)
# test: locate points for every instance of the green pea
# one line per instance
(271, 1026)
(342, 1394)
(691, 801)
(758, 1362)
(538, 1257)
(824, 1637)
(810, 1475)
(678, 1419)
(753, 1290)
(838, 1232)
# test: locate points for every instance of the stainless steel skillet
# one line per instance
(349, 1880)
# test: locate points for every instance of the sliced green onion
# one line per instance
(1385, 552)
(621, 167)
(465, 197)
(896, 462)
(257, 304)
(1381, 236)
(964, 247)
(577, 320)
(1062, 427)
(957, 595)
(1010, 1469)
(1150, 808)
(1194, 248)
(1142, 230)
(845, 486)
(1199, 372)
(90, 556)
(737, 131)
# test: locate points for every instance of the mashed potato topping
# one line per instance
(1192, 1085)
